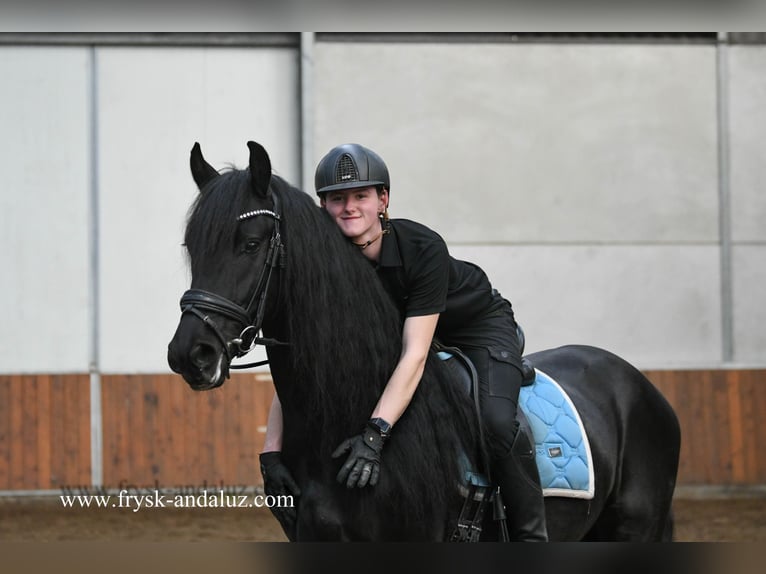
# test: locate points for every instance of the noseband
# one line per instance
(198, 302)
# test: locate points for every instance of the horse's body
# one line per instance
(634, 440)
(344, 340)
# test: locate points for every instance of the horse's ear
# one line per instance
(260, 169)
(202, 171)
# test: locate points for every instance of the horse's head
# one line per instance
(233, 241)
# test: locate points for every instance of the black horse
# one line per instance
(265, 258)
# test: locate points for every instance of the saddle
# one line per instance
(549, 418)
(467, 373)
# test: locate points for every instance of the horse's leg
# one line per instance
(639, 508)
(635, 516)
(667, 532)
(319, 519)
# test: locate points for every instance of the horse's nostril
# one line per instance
(203, 355)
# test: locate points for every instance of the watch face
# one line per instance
(380, 424)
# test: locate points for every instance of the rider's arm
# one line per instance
(274, 427)
(417, 334)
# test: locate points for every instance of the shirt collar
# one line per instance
(389, 249)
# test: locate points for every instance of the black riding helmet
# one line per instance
(349, 166)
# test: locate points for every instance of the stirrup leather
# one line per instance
(469, 522)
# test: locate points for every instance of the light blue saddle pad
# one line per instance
(562, 450)
(561, 445)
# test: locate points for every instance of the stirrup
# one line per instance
(469, 523)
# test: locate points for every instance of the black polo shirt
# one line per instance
(423, 278)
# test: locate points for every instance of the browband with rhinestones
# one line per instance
(250, 214)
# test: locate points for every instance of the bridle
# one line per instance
(198, 301)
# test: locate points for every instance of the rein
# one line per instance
(198, 301)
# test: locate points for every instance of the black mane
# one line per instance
(345, 339)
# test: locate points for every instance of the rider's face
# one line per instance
(356, 211)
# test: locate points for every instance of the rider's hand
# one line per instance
(277, 481)
(362, 467)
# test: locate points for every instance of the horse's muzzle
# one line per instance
(203, 367)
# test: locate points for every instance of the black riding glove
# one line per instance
(277, 481)
(362, 467)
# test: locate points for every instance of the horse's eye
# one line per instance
(251, 245)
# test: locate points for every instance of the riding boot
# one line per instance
(519, 482)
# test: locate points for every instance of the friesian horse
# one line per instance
(266, 259)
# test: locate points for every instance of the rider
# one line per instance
(440, 298)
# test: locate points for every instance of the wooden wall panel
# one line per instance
(720, 413)
(157, 431)
(44, 431)
(215, 435)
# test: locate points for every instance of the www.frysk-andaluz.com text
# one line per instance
(147, 489)
(206, 499)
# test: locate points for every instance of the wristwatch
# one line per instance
(381, 425)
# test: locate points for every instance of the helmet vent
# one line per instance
(345, 169)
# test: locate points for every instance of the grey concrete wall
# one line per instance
(656, 305)
(747, 116)
(145, 106)
(154, 105)
(44, 207)
(583, 178)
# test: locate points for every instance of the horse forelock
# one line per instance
(211, 221)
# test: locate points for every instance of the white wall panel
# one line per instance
(583, 177)
(747, 116)
(44, 207)
(747, 121)
(749, 295)
(504, 143)
(153, 105)
(657, 306)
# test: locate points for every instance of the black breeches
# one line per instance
(492, 343)
(499, 384)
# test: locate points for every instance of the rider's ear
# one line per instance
(202, 171)
(260, 169)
